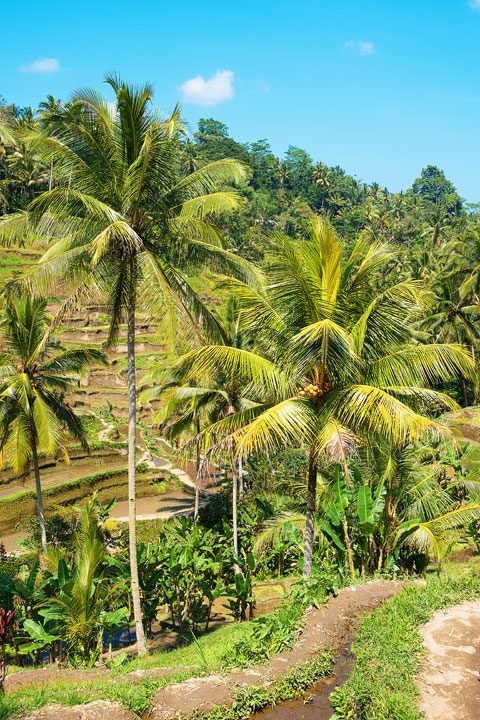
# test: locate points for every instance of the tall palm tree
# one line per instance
(336, 361)
(397, 496)
(124, 219)
(34, 376)
(186, 409)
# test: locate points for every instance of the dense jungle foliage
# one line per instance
(323, 338)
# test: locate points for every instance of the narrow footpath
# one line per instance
(449, 683)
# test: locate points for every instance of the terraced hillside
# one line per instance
(101, 399)
(106, 388)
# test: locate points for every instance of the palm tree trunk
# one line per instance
(233, 466)
(240, 479)
(132, 449)
(475, 379)
(235, 508)
(310, 516)
(198, 471)
(348, 549)
(38, 491)
(346, 536)
(198, 467)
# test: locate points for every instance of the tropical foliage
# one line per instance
(339, 369)
(35, 375)
(319, 368)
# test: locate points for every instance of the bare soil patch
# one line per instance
(155, 506)
(49, 675)
(325, 628)
(449, 683)
(98, 710)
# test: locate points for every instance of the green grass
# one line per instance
(389, 649)
(85, 481)
(202, 657)
(92, 426)
(12, 264)
(149, 530)
(250, 700)
(142, 361)
(382, 685)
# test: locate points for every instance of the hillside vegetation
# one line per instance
(277, 353)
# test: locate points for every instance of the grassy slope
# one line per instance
(200, 657)
(15, 261)
(382, 685)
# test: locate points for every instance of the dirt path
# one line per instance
(449, 683)
(325, 628)
(155, 507)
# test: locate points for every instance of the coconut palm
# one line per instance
(430, 497)
(337, 366)
(124, 218)
(188, 409)
(398, 497)
(34, 376)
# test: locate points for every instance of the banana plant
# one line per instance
(111, 621)
(351, 514)
(36, 639)
(337, 514)
(370, 508)
(240, 594)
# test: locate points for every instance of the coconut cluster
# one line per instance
(311, 391)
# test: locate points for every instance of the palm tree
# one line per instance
(337, 364)
(125, 219)
(430, 497)
(404, 496)
(189, 408)
(34, 376)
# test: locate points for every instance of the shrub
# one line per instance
(287, 465)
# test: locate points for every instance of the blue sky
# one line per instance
(381, 88)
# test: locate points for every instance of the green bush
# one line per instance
(288, 465)
(9, 564)
(274, 633)
(60, 529)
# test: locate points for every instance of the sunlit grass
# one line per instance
(202, 656)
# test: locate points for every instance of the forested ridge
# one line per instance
(281, 192)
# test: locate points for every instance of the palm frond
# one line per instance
(262, 375)
(368, 410)
(422, 365)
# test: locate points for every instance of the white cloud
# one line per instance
(362, 47)
(216, 89)
(44, 65)
(475, 4)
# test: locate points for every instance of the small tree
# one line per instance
(34, 376)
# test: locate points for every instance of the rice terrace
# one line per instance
(239, 377)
